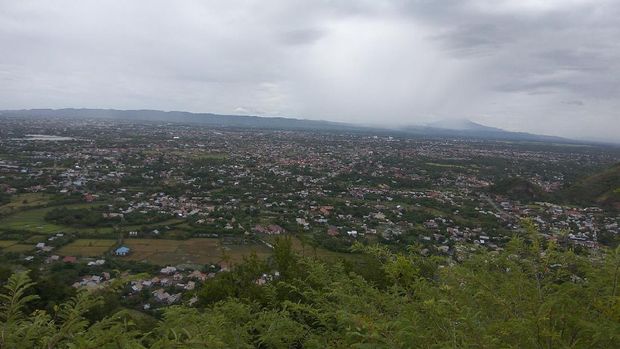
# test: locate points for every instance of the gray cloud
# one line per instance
(548, 66)
(301, 36)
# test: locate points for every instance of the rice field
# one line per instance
(86, 248)
(18, 248)
(7, 243)
(198, 250)
(23, 201)
(33, 220)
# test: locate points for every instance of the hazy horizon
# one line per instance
(545, 67)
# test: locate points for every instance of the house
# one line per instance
(443, 248)
(190, 285)
(332, 231)
(163, 296)
(272, 229)
(52, 258)
(168, 270)
(40, 245)
(379, 216)
(122, 251)
(70, 259)
(196, 274)
(97, 262)
(431, 224)
(326, 210)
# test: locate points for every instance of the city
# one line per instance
(195, 201)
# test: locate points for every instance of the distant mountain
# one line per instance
(462, 125)
(469, 129)
(602, 189)
(207, 119)
(449, 128)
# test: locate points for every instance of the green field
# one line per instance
(35, 239)
(22, 201)
(33, 220)
(7, 243)
(199, 250)
(87, 248)
(18, 248)
(445, 165)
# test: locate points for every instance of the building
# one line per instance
(122, 251)
(69, 259)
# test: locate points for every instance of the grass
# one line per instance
(199, 250)
(7, 243)
(35, 239)
(237, 252)
(18, 248)
(23, 201)
(195, 154)
(309, 251)
(33, 220)
(87, 247)
(445, 165)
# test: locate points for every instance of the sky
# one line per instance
(540, 66)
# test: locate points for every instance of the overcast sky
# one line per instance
(543, 66)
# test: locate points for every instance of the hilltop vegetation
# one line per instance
(527, 296)
(520, 189)
(602, 188)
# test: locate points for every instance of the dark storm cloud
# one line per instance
(549, 66)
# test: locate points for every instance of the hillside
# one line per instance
(602, 188)
(523, 297)
(519, 189)
(464, 128)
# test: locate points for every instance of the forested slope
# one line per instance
(602, 188)
(532, 295)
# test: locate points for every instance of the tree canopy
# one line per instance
(531, 295)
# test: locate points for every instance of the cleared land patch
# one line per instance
(7, 243)
(87, 247)
(33, 220)
(23, 201)
(198, 250)
(18, 248)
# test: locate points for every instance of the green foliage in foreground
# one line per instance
(525, 297)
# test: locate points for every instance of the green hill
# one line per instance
(520, 189)
(527, 296)
(602, 189)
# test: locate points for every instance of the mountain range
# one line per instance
(447, 128)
